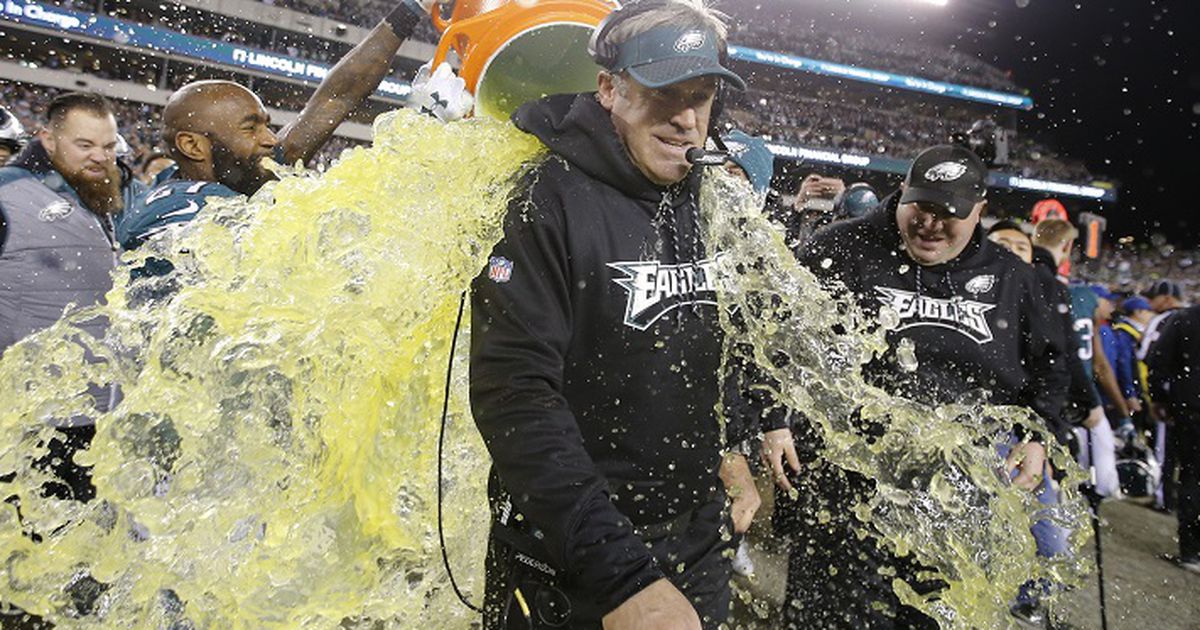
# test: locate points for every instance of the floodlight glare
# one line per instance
(940, 3)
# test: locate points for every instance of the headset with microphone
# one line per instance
(605, 54)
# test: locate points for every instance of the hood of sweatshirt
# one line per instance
(579, 130)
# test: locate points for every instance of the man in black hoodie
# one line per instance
(974, 315)
(596, 350)
(1174, 363)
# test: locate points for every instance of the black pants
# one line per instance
(72, 481)
(836, 577)
(1185, 433)
(694, 560)
(1170, 466)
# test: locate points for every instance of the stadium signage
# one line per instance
(1074, 190)
(161, 40)
(42, 14)
(900, 167)
(880, 77)
(819, 155)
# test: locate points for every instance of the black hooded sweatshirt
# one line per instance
(1174, 362)
(977, 322)
(596, 351)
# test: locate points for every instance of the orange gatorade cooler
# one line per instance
(515, 51)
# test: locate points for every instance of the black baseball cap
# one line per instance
(948, 176)
(1164, 287)
(667, 55)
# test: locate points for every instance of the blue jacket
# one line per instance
(1108, 341)
(1128, 338)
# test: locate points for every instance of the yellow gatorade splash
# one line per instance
(939, 494)
(273, 461)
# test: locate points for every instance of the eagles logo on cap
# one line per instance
(667, 54)
(947, 176)
(946, 172)
(689, 41)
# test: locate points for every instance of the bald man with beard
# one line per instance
(218, 132)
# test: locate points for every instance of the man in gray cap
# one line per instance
(975, 316)
(596, 350)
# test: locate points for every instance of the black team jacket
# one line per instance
(1174, 362)
(596, 351)
(978, 322)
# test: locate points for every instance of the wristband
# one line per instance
(404, 18)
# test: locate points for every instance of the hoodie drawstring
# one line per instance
(949, 286)
(667, 212)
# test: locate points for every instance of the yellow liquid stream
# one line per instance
(273, 460)
(939, 493)
(272, 464)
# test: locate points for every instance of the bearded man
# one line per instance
(57, 200)
(218, 132)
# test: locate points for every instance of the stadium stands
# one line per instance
(1133, 267)
(871, 121)
(826, 120)
(364, 13)
(882, 125)
(858, 48)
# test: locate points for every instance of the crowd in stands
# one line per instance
(859, 48)
(824, 120)
(364, 13)
(894, 128)
(887, 125)
(847, 46)
(1127, 267)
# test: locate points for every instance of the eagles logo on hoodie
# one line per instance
(655, 289)
(965, 316)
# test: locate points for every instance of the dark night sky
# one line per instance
(1115, 83)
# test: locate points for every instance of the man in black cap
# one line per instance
(1174, 378)
(596, 350)
(1165, 298)
(973, 313)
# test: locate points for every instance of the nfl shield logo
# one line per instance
(500, 269)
